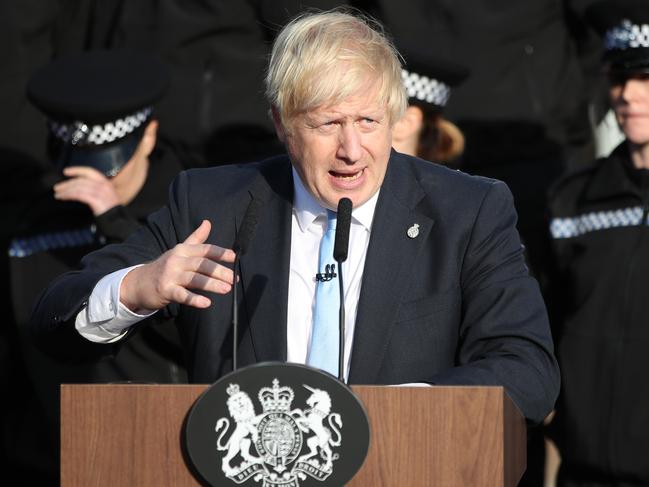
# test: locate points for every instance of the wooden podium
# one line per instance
(131, 435)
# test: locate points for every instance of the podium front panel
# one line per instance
(130, 434)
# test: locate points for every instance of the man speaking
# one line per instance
(436, 288)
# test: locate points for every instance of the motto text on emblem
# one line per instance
(289, 444)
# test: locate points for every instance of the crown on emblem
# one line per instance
(277, 399)
(232, 389)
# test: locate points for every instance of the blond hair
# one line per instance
(323, 58)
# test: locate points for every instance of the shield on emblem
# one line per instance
(276, 425)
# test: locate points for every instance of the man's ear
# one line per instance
(279, 126)
(147, 143)
(409, 125)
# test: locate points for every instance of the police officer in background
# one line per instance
(600, 235)
(108, 173)
(423, 131)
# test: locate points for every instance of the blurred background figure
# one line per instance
(108, 173)
(423, 131)
(600, 228)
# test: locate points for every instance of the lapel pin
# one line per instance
(413, 231)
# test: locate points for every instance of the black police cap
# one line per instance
(98, 103)
(428, 79)
(624, 27)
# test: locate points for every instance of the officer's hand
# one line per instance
(89, 186)
(192, 264)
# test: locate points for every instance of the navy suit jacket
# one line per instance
(454, 305)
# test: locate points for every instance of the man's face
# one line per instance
(340, 150)
(630, 100)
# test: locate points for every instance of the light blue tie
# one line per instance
(323, 353)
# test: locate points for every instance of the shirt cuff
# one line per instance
(105, 319)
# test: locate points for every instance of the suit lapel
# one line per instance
(265, 267)
(390, 256)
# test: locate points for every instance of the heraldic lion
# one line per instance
(242, 411)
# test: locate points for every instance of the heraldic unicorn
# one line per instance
(278, 434)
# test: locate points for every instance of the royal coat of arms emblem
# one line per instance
(281, 445)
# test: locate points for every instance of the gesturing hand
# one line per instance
(192, 264)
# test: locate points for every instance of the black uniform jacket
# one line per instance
(454, 305)
(154, 355)
(601, 239)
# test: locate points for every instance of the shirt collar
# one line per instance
(307, 209)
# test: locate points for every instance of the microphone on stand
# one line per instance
(240, 247)
(341, 248)
(285, 378)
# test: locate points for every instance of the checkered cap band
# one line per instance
(425, 89)
(627, 36)
(79, 133)
(590, 222)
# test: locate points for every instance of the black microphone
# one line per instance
(344, 219)
(240, 246)
(341, 248)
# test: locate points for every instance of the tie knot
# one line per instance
(331, 220)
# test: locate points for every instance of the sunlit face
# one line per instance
(630, 100)
(340, 150)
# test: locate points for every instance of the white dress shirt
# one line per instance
(106, 319)
(308, 225)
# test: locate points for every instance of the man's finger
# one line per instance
(193, 280)
(208, 251)
(83, 171)
(210, 268)
(200, 235)
(183, 296)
